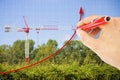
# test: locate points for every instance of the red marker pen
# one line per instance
(95, 23)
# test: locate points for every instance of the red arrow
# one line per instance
(81, 13)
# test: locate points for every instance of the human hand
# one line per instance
(107, 46)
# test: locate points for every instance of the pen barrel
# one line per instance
(95, 24)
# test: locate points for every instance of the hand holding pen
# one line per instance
(108, 44)
(95, 23)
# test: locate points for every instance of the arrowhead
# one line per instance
(81, 10)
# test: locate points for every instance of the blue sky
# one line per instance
(49, 12)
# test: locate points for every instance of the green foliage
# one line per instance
(4, 53)
(65, 72)
(74, 62)
(15, 53)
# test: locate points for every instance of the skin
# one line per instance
(107, 46)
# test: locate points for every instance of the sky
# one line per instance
(62, 13)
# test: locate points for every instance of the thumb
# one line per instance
(87, 40)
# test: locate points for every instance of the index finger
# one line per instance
(87, 20)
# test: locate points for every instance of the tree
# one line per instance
(4, 53)
(74, 51)
(46, 49)
(17, 51)
(92, 58)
